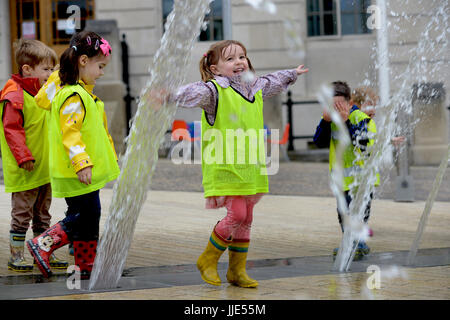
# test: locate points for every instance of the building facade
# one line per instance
(337, 42)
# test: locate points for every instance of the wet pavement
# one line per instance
(294, 232)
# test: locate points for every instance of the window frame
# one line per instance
(42, 17)
(339, 34)
(226, 22)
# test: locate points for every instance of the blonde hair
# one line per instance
(214, 54)
(33, 52)
(363, 94)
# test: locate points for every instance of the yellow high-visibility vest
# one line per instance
(64, 180)
(233, 150)
(36, 132)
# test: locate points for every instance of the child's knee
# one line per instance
(237, 210)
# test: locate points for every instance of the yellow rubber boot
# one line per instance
(237, 274)
(207, 262)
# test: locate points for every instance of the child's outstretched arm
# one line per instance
(277, 82)
(198, 94)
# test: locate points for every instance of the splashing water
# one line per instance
(151, 121)
(428, 206)
(385, 277)
(425, 64)
(325, 98)
(351, 223)
(264, 5)
(293, 39)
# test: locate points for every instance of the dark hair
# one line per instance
(341, 89)
(84, 42)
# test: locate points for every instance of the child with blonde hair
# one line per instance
(231, 101)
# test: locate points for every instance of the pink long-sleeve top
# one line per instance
(203, 94)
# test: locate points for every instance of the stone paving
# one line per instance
(296, 222)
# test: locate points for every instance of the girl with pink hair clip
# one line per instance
(82, 155)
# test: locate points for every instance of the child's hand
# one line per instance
(157, 98)
(326, 116)
(397, 141)
(301, 69)
(343, 109)
(27, 165)
(85, 175)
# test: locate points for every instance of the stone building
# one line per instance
(338, 43)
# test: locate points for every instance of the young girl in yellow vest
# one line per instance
(230, 105)
(82, 155)
(24, 145)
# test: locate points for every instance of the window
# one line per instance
(27, 19)
(31, 16)
(322, 20)
(61, 11)
(215, 28)
(50, 21)
(337, 17)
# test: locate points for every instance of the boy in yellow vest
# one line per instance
(24, 146)
(362, 130)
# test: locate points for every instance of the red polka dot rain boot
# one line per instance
(84, 253)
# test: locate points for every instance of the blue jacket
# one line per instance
(322, 136)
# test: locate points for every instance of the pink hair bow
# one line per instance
(105, 47)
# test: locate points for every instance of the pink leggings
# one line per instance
(238, 221)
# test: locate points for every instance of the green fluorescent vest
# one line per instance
(64, 180)
(36, 131)
(351, 167)
(233, 152)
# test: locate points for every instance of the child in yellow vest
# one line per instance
(24, 145)
(82, 155)
(362, 131)
(232, 104)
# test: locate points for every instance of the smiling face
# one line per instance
(92, 68)
(41, 71)
(232, 62)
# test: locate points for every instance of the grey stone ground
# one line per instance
(300, 268)
(298, 178)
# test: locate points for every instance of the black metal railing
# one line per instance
(126, 79)
(290, 103)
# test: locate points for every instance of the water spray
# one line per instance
(152, 119)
